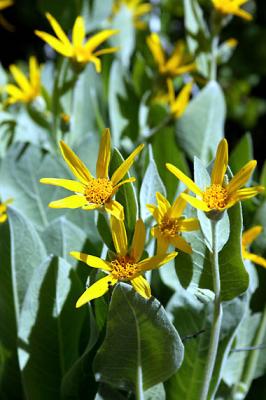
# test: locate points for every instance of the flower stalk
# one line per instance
(217, 315)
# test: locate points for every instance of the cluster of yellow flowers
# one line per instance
(82, 51)
(97, 193)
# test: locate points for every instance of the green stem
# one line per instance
(217, 317)
(213, 72)
(241, 389)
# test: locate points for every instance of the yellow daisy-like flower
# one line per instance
(226, 7)
(171, 223)
(248, 238)
(137, 8)
(79, 50)
(3, 210)
(126, 265)
(178, 104)
(6, 3)
(177, 64)
(27, 89)
(93, 193)
(220, 195)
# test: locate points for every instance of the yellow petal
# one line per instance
(177, 57)
(78, 33)
(114, 208)
(13, 91)
(138, 241)
(171, 91)
(184, 69)
(179, 105)
(3, 218)
(109, 50)
(104, 155)
(194, 202)
(119, 236)
(180, 243)
(251, 234)
(154, 212)
(58, 46)
(5, 3)
(141, 285)
(178, 207)
(220, 164)
(129, 180)
(189, 224)
(254, 258)
(75, 164)
(58, 30)
(185, 179)
(156, 261)
(162, 243)
(154, 44)
(98, 289)
(92, 261)
(243, 14)
(246, 193)
(124, 167)
(74, 201)
(65, 183)
(99, 38)
(142, 9)
(34, 72)
(241, 178)
(90, 206)
(96, 61)
(163, 204)
(20, 78)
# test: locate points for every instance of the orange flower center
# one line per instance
(98, 191)
(124, 268)
(216, 197)
(169, 226)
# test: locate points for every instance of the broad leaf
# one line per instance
(151, 184)
(195, 270)
(49, 328)
(201, 128)
(192, 318)
(21, 251)
(242, 153)
(139, 338)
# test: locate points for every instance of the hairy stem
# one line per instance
(217, 317)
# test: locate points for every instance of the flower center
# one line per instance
(216, 197)
(98, 191)
(169, 226)
(124, 268)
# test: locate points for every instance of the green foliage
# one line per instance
(121, 345)
(201, 128)
(141, 343)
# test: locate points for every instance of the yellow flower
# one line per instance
(137, 8)
(176, 64)
(220, 195)
(126, 265)
(5, 3)
(232, 7)
(27, 89)
(248, 238)
(3, 210)
(93, 193)
(178, 104)
(79, 51)
(171, 223)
